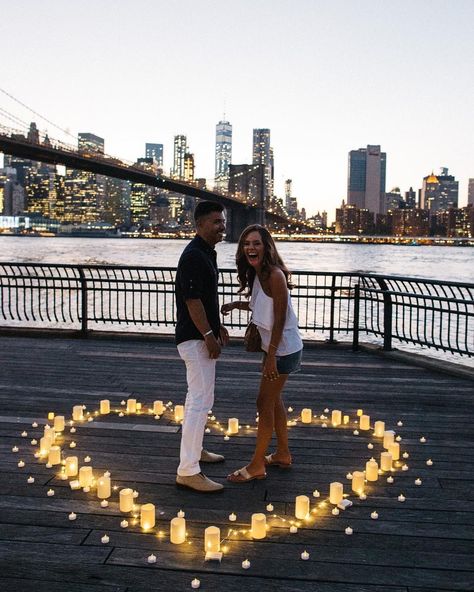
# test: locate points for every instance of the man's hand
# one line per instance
(223, 336)
(213, 346)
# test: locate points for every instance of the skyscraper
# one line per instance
(223, 155)
(179, 154)
(366, 178)
(439, 192)
(263, 154)
(470, 193)
(155, 151)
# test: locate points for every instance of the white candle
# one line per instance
(232, 517)
(77, 413)
(358, 482)
(394, 450)
(147, 516)
(103, 487)
(212, 539)
(233, 425)
(178, 531)
(45, 445)
(336, 416)
(104, 406)
(126, 500)
(245, 564)
(178, 412)
(124, 524)
(71, 466)
(306, 415)
(388, 438)
(105, 539)
(85, 476)
(158, 407)
(305, 556)
(72, 516)
(151, 558)
(131, 405)
(54, 456)
(379, 429)
(374, 515)
(293, 529)
(259, 526)
(301, 506)
(386, 461)
(335, 492)
(345, 419)
(371, 470)
(349, 530)
(195, 584)
(359, 412)
(59, 423)
(364, 423)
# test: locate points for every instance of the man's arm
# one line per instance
(199, 318)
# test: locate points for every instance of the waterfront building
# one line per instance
(223, 156)
(160, 210)
(353, 220)
(392, 200)
(439, 192)
(155, 151)
(470, 193)
(41, 190)
(460, 222)
(189, 167)
(262, 154)
(410, 198)
(12, 194)
(246, 182)
(179, 153)
(410, 222)
(141, 195)
(116, 205)
(366, 178)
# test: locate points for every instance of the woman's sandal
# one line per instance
(242, 476)
(270, 462)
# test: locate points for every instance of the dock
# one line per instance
(422, 544)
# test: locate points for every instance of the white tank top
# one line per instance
(261, 306)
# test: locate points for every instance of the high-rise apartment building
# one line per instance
(439, 192)
(155, 151)
(223, 156)
(262, 153)
(189, 167)
(366, 178)
(470, 193)
(179, 153)
(410, 198)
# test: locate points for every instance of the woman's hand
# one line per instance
(227, 308)
(269, 370)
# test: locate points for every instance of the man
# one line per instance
(199, 336)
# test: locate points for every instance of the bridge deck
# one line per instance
(423, 544)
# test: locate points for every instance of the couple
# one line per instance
(200, 336)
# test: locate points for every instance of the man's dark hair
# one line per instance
(206, 207)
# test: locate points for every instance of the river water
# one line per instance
(442, 263)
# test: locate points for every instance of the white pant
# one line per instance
(200, 375)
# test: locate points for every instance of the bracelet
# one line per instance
(271, 345)
(207, 333)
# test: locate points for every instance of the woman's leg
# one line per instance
(281, 430)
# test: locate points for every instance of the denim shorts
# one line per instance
(289, 364)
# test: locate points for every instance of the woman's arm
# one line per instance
(237, 304)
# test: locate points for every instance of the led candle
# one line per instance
(379, 429)
(147, 516)
(301, 506)
(85, 476)
(54, 456)
(104, 407)
(126, 500)
(71, 466)
(158, 407)
(51, 415)
(394, 450)
(45, 445)
(178, 412)
(386, 461)
(49, 433)
(336, 416)
(139, 406)
(345, 419)
(103, 487)
(77, 413)
(131, 405)
(359, 412)
(59, 423)
(178, 531)
(259, 526)
(233, 426)
(388, 438)
(364, 422)
(306, 415)
(371, 470)
(335, 492)
(212, 539)
(358, 482)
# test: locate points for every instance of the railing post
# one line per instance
(84, 318)
(355, 332)
(331, 312)
(387, 315)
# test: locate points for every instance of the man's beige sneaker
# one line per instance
(210, 457)
(199, 482)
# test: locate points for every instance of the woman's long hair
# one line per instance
(271, 258)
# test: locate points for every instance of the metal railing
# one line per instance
(86, 298)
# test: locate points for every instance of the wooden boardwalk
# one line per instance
(421, 545)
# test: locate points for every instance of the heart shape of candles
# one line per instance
(176, 413)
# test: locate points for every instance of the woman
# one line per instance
(261, 270)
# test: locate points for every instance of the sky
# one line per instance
(326, 76)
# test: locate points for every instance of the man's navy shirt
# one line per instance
(196, 278)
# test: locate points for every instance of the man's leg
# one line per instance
(200, 374)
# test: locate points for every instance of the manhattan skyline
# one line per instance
(325, 78)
